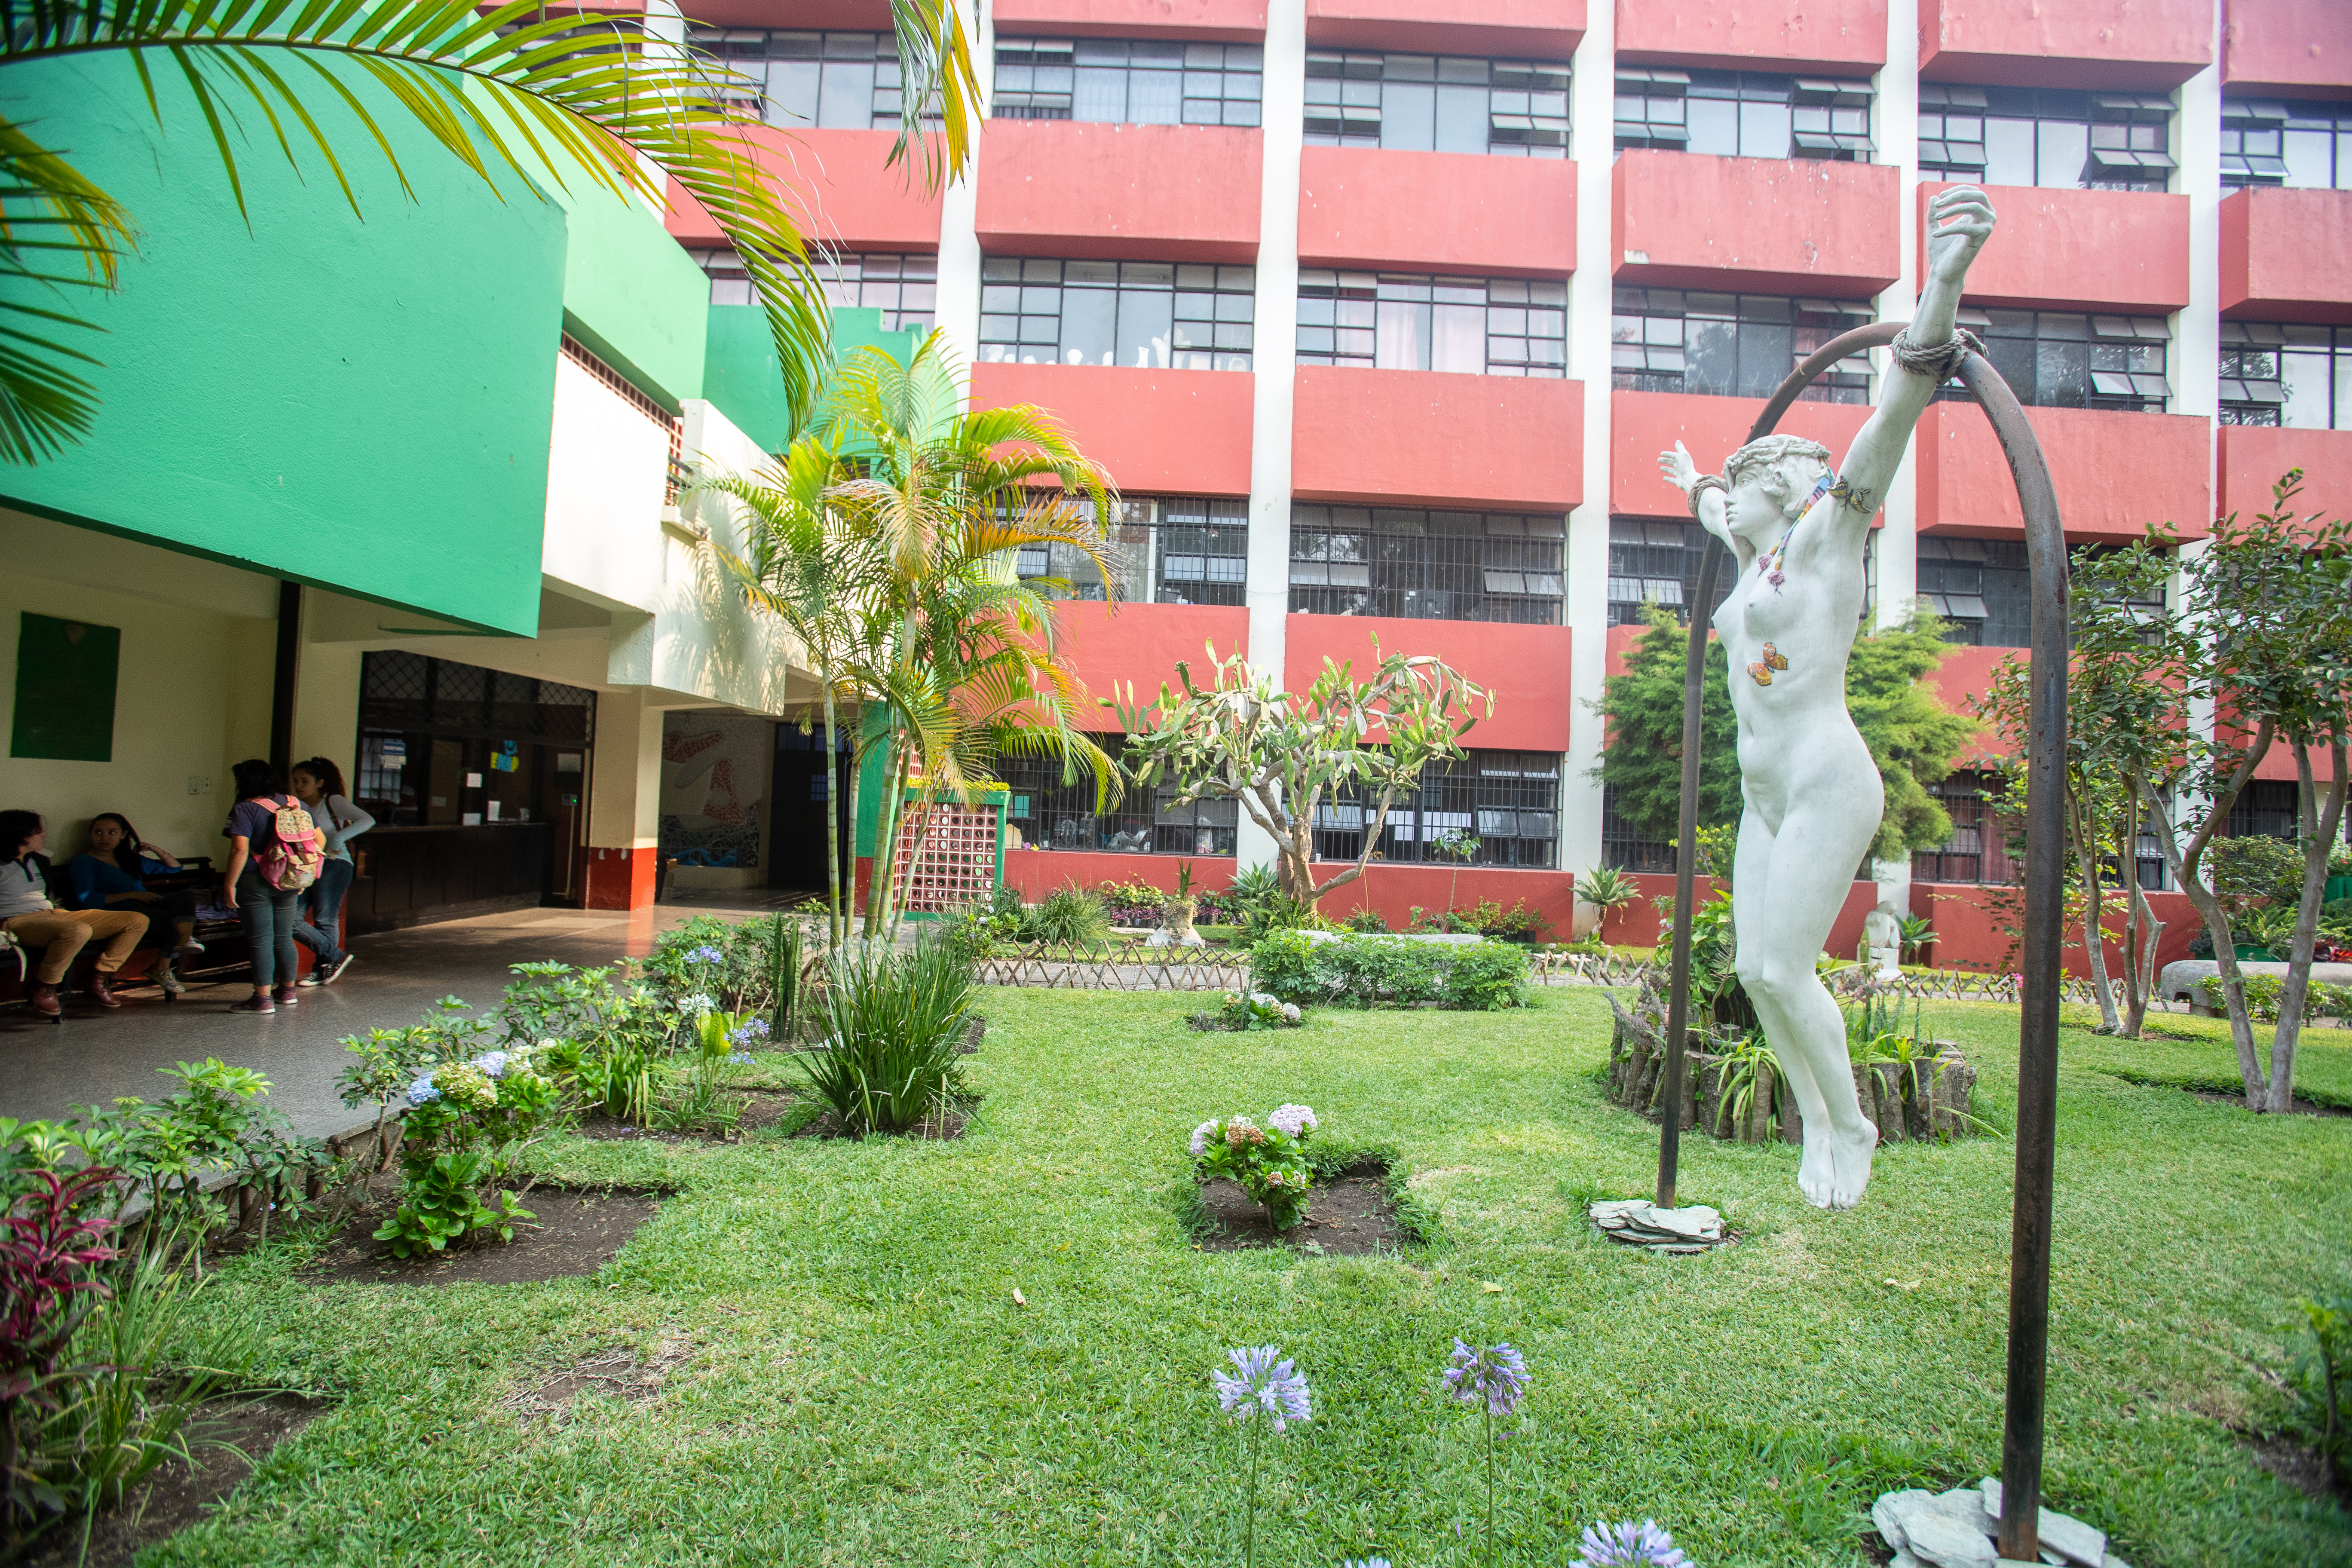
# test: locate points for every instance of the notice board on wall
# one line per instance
(66, 672)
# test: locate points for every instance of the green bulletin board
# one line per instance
(65, 689)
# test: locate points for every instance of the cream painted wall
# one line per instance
(193, 695)
(608, 464)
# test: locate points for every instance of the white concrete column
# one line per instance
(2194, 363)
(1593, 93)
(958, 310)
(1273, 356)
(1897, 135)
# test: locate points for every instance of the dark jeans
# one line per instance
(321, 906)
(269, 917)
(164, 918)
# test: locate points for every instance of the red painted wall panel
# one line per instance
(1525, 667)
(1686, 220)
(837, 186)
(1637, 924)
(1140, 645)
(618, 879)
(2114, 473)
(1241, 21)
(1643, 424)
(2283, 255)
(1967, 672)
(1448, 212)
(2300, 48)
(1756, 34)
(1181, 431)
(2253, 460)
(1393, 891)
(1411, 437)
(1142, 193)
(1534, 29)
(2137, 44)
(1969, 933)
(2113, 250)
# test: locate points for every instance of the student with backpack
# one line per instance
(275, 852)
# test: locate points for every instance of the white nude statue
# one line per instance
(1811, 793)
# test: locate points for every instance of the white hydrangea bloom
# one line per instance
(1201, 1135)
(1293, 1120)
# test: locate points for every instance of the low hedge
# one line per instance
(1390, 972)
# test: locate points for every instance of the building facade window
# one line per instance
(1155, 315)
(1432, 104)
(2057, 359)
(1652, 560)
(449, 744)
(1427, 565)
(1743, 114)
(828, 81)
(1164, 549)
(1475, 326)
(1978, 850)
(2045, 136)
(1731, 345)
(1491, 808)
(1127, 81)
(1627, 847)
(904, 289)
(1052, 814)
(1984, 588)
(2286, 373)
(2276, 141)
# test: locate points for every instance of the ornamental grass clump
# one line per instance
(1269, 1162)
(894, 1026)
(1263, 1387)
(1494, 1379)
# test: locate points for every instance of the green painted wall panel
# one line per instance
(359, 405)
(632, 296)
(740, 373)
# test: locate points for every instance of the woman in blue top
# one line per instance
(112, 874)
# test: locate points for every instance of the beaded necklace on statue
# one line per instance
(1770, 564)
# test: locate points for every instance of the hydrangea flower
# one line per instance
(1496, 1377)
(706, 954)
(1263, 1382)
(1644, 1545)
(1241, 1131)
(491, 1064)
(1292, 1121)
(463, 1082)
(1201, 1138)
(1290, 1015)
(1265, 999)
(1365, 1563)
(423, 1090)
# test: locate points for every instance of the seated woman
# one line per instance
(28, 913)
(112, 874)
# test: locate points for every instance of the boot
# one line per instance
(101, 990)
(44, 1001)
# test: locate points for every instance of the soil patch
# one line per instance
(762, 1108)
(575, 1232)
(228, 1439)
(616, 1372)
(973, 1033)
(2299, 1467)
(1348, 1214)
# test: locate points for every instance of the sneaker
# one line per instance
(318, 976)
(189, 944)
(101, 990)
(172, 983)
(44, 1001)
(284, 996)
(335, 970)
(254, 1005)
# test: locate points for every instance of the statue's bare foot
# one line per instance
(1817, 1173)
(1850, 1165)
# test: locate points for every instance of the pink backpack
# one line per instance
(292, 860)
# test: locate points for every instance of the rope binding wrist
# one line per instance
(1939, 363)
(1705, 483)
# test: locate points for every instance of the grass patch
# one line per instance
(848, 1378)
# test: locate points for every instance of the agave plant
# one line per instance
(566, 96)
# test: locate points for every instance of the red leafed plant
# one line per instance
(49, 1256)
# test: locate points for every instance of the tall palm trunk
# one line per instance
(834, 928)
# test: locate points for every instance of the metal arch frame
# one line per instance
(2037, 1074)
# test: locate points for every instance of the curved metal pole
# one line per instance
(2037, 1042)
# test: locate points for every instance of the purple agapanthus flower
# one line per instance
(741, 1058)
(706, 954)
(1644, 1545)
(750, 1029)
(1365, 1563)
(1267, 1384)
(423, 1090)
(1495, 1376)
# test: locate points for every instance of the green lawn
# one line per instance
(863, 1388)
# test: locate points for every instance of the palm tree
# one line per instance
(546, 94)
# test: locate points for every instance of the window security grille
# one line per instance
(904, 289)
(1626, 846)
(1426, 566)
(1984, 588)
(1744, 114)
(1978, 850)
(2266, 808)
(1052, 814)
(1165, 549)
(1476, 326)
(1146, 314)
(1508, 802)
(1427, 103)
(1734, 346)
(833, 82)
(2286, 373)
(1656, 562)
(2276, 141)
(2041, 136)
(2054, 359)
(1127, 81)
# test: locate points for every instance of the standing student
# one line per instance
(112, 874)
(274, 853)
(27, 914)
(319, 786)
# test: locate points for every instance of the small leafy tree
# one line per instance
(1284, 755)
